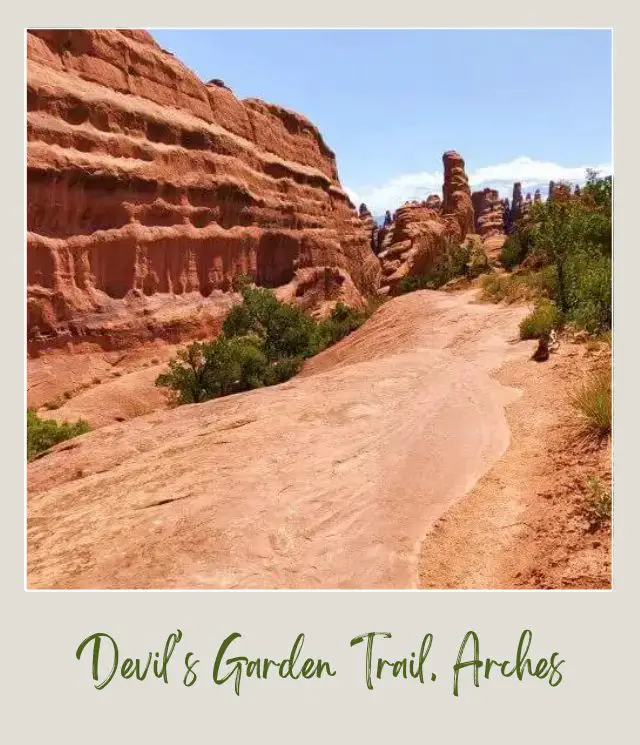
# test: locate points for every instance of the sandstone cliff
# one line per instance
(148, 191)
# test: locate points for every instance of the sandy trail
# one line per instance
(331, 480)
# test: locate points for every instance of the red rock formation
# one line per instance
(413, 243)
(422, 232)
(434, 202)
(149, 190)
(489, 213)
(456, 193)
(371, 225)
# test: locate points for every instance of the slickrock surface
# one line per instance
(330, 480)
(148, 191)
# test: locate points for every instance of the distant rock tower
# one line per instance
(456, 192)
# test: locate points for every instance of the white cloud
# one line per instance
(532, 174)
(352, 195)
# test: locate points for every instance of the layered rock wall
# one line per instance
(145, 183)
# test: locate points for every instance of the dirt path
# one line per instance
(331, 480)
(526, 524)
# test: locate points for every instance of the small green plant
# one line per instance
(599, 502)
(44, 433)
(592, 400)
(541, 322)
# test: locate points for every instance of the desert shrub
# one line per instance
(543, 283)
(592, 399)
(571, 237)
(494, 287)
(599, 503)
(284, 330)
(263, 342)
(478, 261)
(589, 288)
(418, 282)
(573, 233)
(342, 321)
(206, 370)
(513, 252)
(44, 433)
(544, 318)
(524, 286)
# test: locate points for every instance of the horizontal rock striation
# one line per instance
(146, 186)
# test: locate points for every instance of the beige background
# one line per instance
(48, 695)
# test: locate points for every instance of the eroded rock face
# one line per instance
(421, 232)
(489, 213)
(371, 225)
(456, 193)
(491, 221)
(148, 190)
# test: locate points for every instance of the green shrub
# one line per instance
(206, 370)
(284, 330)
(573, 233)
(592, 400)
(494, 287)
(263, 342)
(512, 253)
(589, 288)
(342, 321)
(525, 286)
(570, 236)
(544, 318)
(44, 433)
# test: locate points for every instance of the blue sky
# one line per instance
(517, 105)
